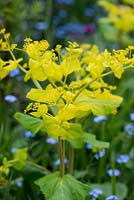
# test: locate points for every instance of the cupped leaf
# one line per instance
(30, 123)
(96, 144)
(75, 132)
(70, 64)
(100, 103)
(48, 95)
(6, 67)
(66, 130)
(36, 70)
(55, 187)
(67, 113)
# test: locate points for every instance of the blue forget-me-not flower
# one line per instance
(123, 158)
(95, 193)
(10, 98)
(112, 197)
(113, 172)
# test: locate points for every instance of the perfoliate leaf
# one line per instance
(6, 67)
(75, 139)
(30, 123)
(66, 130)
(55, 187)
(100, 103)
(48, 95)
(117, 69)
(20, 156)
(36, 70)
(52, 70)
(96, 144)
(70, 64)
(53, 128)
(67, 113)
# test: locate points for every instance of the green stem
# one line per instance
(62, 156)
(48, 17)
(37, 84)
(113, 178)
(81, 89)
(71, 160)
(102, 161)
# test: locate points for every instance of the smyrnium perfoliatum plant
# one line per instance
(69, 85)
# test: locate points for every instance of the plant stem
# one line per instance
(48, 18)
(102, 161)
(62, 156)
(37, 84)
(71, 160)
(113, 178)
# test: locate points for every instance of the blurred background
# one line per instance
(108, 24)
(63, 20)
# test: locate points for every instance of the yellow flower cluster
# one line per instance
(73, 82)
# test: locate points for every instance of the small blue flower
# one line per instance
(89, 12)
(113, 172)
(57, 162)
(132, 116)
(98, 119)
(19, 183)
(100, 154)
(124, 158)
(10, 98)
(112, 197)
(69, 28)
(68, 2)
(88, 146)
(50, 140)
(14, 73)
(95, 193)
(129, 128)
(13, 150)
(63, 13)
(41, 25)
(29, 134)
(56, 20)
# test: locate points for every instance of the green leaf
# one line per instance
(70, 64)
(66, 130)
(55, 187)
(100, 103)
(67, 113)
(20, 157)
(76, 131)
(79, 190)
(121, 189)
(91, 139)
(30, 123)
(49, 95)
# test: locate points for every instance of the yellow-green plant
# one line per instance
(70, 85)
(121, 18)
